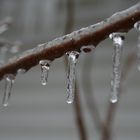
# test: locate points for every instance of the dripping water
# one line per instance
(9, 81)
(116, 74)
(72, 59)
(45, 67)
(137, 27)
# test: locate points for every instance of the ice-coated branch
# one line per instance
(92, 35)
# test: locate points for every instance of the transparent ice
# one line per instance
(9, 80)
(45, 66)
(137, 27)
(72, 59)
(116, 74)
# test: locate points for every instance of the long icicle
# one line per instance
(72, 59)
(116, 74)
(9, 80)
(137, 27)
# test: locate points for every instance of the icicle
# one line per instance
(45, 66)
(72, 59)
(137, 27)
(9, 80)
(116, 75)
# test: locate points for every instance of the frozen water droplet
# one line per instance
(114, 99)
(45, 66)
(117, 38)
(116, 75)
(72, 59)
(9, 80)
(21, 71)
(137, 25)
(88, 48)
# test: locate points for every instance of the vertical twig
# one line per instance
(70, 7)
(77, 103)
(107, 127)
(79, 115)
(89, 93)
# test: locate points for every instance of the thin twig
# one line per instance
(79, 115)
(121, 21)
(89, 93)
(70, 6)
(77, 103)
(107, 127)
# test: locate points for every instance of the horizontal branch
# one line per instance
(92, 35)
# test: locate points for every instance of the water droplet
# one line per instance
(72, 59)
(9, 80)
(114, 99)
(45, 66)
(137, 25)
(116, 74)
(88, 48)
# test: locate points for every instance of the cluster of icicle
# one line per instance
(72, 58)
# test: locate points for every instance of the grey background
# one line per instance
(40, 112)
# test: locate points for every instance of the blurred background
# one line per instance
(39, 112)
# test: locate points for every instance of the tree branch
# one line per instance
(94, 34)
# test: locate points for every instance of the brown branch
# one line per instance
(120, 22)
(79, 115)
(107, 127)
